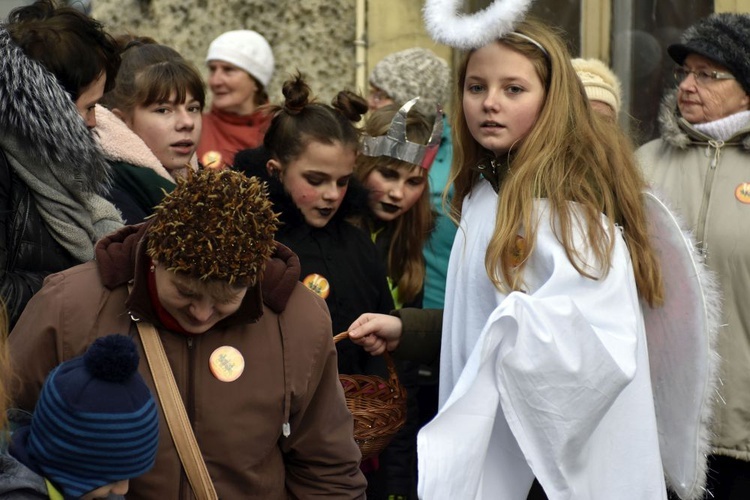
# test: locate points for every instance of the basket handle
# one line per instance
(392, 375)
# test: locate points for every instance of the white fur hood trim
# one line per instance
(122, 144)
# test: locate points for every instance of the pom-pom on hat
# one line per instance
(411, 73)
(723, 38)
(215, 225)
(96, 421)
(246, 49)
(600, 83)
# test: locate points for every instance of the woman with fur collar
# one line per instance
(56, 64)
(700, 164)
(151, 125)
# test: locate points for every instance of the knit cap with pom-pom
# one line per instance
(96, 421)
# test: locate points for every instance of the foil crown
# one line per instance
(395, 144)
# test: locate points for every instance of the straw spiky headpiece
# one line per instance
(215, 225)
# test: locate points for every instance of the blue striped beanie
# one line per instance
(96, 421)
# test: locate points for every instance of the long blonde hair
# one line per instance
(570, 155)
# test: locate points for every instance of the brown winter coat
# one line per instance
(283, 332)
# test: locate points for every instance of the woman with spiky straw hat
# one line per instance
(249, 347)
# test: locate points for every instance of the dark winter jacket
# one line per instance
(421, 334)
(38, 115)
(340, 252)
(28, 253)
(136, 191)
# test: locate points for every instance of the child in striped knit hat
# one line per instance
(94, 428)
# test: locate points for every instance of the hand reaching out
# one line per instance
(376, 332)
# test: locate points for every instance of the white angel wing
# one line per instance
(681, 336)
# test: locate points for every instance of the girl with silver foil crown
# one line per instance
(250, 349)
(394, 170)
(544, 366)
(399, 147)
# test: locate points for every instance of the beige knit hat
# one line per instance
(600, 82)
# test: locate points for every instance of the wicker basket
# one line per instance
(377, 405)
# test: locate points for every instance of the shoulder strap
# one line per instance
(175, 414)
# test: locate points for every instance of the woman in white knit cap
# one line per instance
(240, 65)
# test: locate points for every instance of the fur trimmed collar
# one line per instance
(37, 111)
(119, 143)
(677, 132)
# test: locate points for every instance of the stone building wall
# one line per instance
(314, 36)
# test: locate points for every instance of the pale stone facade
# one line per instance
(314, 36)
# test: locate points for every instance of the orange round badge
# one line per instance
(317, 284)
(518, 254)
(226, 363)
(742, 193)
(212, 159)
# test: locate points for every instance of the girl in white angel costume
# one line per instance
(554, 278)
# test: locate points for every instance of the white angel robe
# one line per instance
(553, 383)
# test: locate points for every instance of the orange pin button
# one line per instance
(212, 159)
(742, 193)
(317, 284)
(226, 363)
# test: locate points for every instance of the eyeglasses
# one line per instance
(701, 77)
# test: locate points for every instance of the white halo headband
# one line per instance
(530, 40)
(466, 32)
(395, 144)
